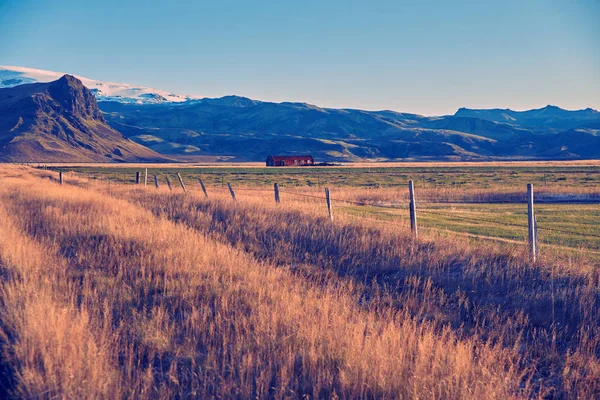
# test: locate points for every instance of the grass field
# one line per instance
(486, 188)
(115, 290)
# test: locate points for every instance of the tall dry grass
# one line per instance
(48, 346)
(103, 299)
(547, 311)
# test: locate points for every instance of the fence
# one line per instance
(531, 226)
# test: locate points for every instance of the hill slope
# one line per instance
(60, 121)
(250, 130)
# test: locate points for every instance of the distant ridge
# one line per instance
(250, 131)
(549, 116)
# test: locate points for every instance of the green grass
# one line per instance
(573, 226)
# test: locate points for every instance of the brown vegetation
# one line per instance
(120, 292)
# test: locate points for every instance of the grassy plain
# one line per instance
(485, 200)
(425, 176)
(122, 291)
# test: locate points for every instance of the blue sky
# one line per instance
(428, 57)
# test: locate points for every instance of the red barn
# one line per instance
(289, 161)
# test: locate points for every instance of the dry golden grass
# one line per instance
(117, 292)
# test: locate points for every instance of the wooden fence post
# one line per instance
(60, 178)
(137, 178)
(146, 177)
(203, 188)
(531, 223)
(168, 182)
(155, 181)
(535, 231)
(276, 188)
(328, 199)
(413, 210)
(181, 182)
(231, 191)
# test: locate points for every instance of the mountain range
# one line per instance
(239, 128)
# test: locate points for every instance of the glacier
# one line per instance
(104, 91)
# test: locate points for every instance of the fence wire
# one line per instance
(453, 216)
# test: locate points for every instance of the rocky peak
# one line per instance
(74, 98)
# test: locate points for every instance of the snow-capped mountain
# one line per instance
(104, 91)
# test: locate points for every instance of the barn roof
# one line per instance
(291, 158)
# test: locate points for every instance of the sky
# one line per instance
(427, 57)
